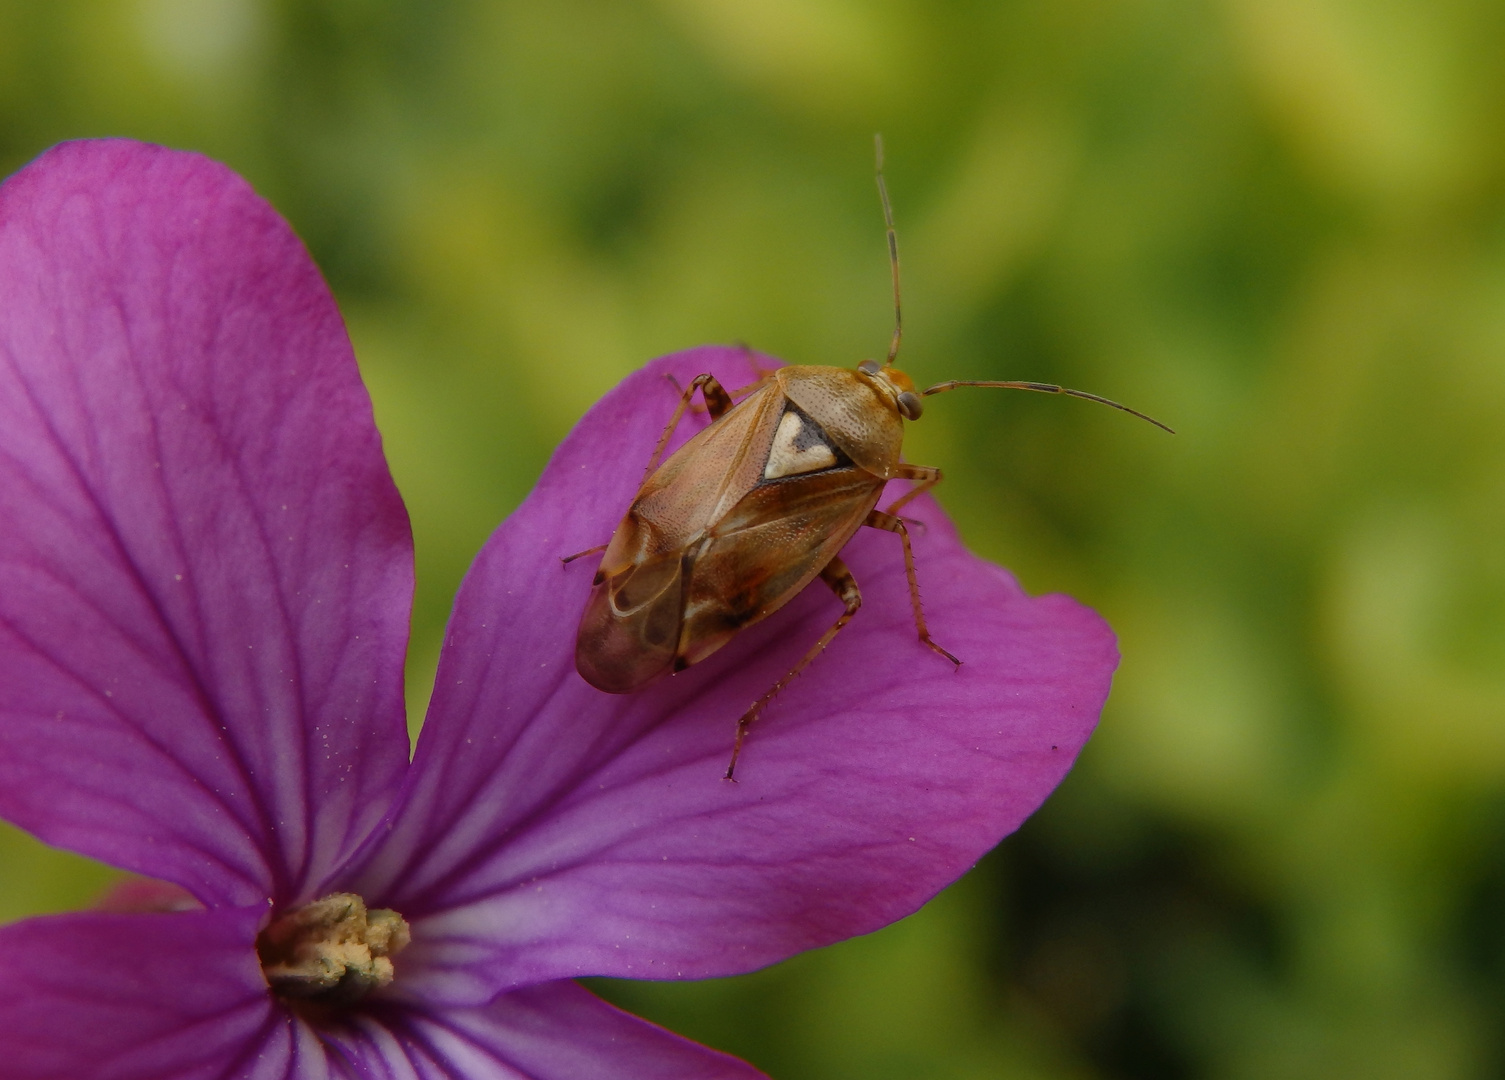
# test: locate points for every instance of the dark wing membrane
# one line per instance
(630, 631)
(766, 549)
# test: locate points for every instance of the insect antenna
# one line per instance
(893, 250)
(1045, 388)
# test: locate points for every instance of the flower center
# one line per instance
(332, 951)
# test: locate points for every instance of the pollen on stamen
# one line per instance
(331, 952)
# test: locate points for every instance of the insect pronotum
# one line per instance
(751, 509)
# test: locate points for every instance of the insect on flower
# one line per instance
(206, 578)
(753, 508)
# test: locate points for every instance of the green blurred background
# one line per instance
(1279, 225)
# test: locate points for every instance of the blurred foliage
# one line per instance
(1277, 224)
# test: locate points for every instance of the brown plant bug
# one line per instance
(751, 509)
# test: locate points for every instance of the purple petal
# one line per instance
(140, 895)
(551, 829)
(139, 997)
(556, 1031)
(181, 997)
(205, 572)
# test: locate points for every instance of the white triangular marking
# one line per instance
(798, 447)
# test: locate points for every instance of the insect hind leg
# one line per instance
(567, 559)
(844, 585)
(717, 402)
(763, 373)
(888, 522)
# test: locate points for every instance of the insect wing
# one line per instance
(708, 475)
(630, 630)
(766, 549)
(629, 633)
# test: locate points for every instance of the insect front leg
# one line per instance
(925, 478)
(844, 585)
(717, 402)
(880, 520)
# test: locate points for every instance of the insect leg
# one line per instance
(844, 585)
(879, 520)
(764, 374)
(716, 403)
(567, 559)
(925, 477)
(743, 391)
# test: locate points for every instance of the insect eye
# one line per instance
(869, 367)
(910, 406)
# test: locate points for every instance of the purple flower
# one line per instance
(205, 580)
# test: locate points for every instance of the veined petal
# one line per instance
(550, 829)
(205, 569)
(178, 996)
(556, 1031)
